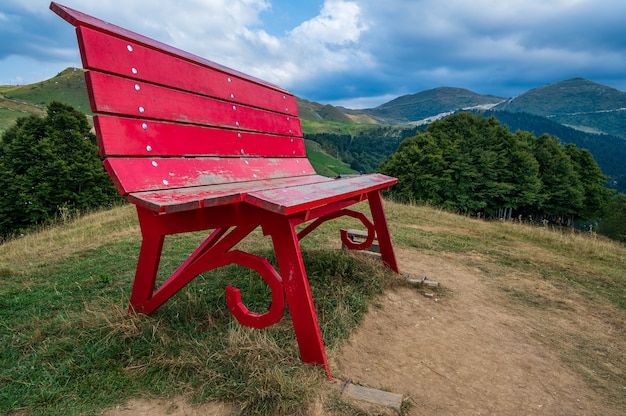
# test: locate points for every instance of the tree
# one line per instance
(523, 174)
(595, 195)
(614, 223)
(562, 192)
(468, 164)
(421, 170)
(47, 164)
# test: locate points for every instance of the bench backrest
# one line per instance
(169, 119)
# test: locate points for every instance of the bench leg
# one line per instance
(147, 268)
(382, 230)
(298, 292)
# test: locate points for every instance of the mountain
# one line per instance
(428, 105)
(312, 111)
(579, 103)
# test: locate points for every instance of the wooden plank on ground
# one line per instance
(374, 396)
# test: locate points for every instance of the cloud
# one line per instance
(357, 50)
(337, 24)
(492, 46)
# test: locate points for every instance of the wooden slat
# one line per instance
(119, 136)
(114, 95)
(296, 199)
(150, 174)
(182, 199)
(79, 19)
(104, 52)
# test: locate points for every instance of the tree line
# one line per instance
(475, 165)
(609, 151)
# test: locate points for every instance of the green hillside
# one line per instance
(19, 101)
(312, 111)
(416, 107)
(324, 164)
(68, 87)
(577, 102)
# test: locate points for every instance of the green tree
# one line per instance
(421, 170)
(468, 164)
(562, 192)
(614, 223)
(524, 174)
(595, 195)
(47, 164)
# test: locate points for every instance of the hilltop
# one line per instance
(17, 101)
(577, 102)
(429, 105)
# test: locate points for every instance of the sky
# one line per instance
(355, 53)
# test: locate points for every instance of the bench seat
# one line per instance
(294, 199)
(190, 198)
(284, 196)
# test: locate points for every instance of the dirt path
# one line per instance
(462, 354)
(465, 353)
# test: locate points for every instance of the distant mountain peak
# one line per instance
(577, 102)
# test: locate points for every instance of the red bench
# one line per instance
(197, 146)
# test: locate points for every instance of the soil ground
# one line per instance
(467, 350)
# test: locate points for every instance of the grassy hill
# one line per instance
(577, 102)
(68, 86)
(68, 346)
(324, 164)
(417, 107)
(17, 101)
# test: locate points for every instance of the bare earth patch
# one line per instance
(175, 407)
(467, 351)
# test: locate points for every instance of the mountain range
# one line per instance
(590, 115)
(578, 111)
(578, 103)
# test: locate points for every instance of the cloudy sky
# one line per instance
(357, 53)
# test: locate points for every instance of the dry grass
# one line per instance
(57, 242)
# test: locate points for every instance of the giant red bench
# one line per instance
(197, 146)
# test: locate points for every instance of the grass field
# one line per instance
(68, 345)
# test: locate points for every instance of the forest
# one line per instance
(609, 151)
